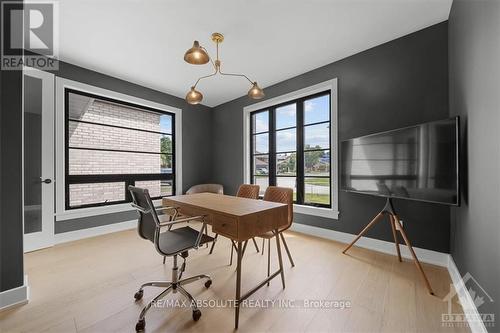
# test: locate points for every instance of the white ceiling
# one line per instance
(268, 40)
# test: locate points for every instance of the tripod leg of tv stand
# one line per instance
(396, 226)
(375, 220)
(415, 259)
(392, 219)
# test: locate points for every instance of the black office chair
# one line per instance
(171, 243)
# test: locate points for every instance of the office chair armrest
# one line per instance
(139, 208)
(165, 208)
(169, 223)
(146, 211)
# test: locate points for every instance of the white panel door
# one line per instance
(38, 159)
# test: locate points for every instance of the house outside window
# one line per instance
(291, 141)
(111, 144)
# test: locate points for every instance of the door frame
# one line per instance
(45, 238)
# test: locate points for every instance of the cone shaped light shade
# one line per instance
(256, 92)
(194, 96)
(196, 55)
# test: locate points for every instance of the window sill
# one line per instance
(316, 211)
(96, 211)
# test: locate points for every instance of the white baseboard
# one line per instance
(465, 298)
(424, 255)
(95, 231)
(15, 296)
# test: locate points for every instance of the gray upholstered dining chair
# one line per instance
(206, 188)
(169, 243)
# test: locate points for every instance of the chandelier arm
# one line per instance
(204, 77)
(218, 38)
(233, 74)
(213, 64)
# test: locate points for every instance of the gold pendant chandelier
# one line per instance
(198, 55)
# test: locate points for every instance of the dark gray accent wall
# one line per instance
(474, 53)
(11, 227)
(399, 83)
(196, 136)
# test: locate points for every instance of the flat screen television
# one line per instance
(416, 163)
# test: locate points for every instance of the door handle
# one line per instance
(46, 181)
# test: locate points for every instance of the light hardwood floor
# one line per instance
(88, 286)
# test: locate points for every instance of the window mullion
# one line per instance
(128, 196)
(252, 171)
(272, 147)
(300, 151)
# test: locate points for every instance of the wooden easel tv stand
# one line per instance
(396, 226)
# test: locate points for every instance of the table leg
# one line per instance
(255, 244)
(278, 247)
(233, 247)
(231, 260)
(244, 248)
(238, 286)
(213, 244)
(240, 298)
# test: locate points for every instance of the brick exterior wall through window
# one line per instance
(89, 162)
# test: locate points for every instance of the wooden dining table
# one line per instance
(238, 219)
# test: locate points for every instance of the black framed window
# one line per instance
(110, 144)
(290, 147)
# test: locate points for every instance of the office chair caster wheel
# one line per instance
(139, 327)
(208, 284)
(138, 295)
(196, 315)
